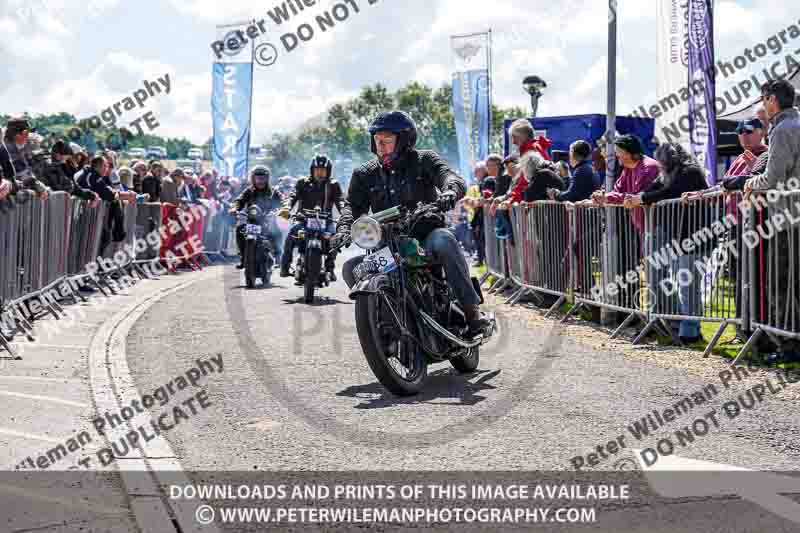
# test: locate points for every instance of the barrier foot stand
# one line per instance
(774, 338)
(555, 306)
(51, 307)
(75, 294)
(140, 271)
(715, 339)
(645, 331)
(673, 335)
(23, 326)
(746, 348)
(109, 284)
(625, 323)
(497, 287)
(96, 281)
(575, 308)
(103, 276)
(483, 278)
(516, 296)
(154, 272)
(4, 342)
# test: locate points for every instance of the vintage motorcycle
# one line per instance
(259, 249)
(314, 246)
(407, 317)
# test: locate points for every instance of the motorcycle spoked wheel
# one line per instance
(313, 269)
(399, 364)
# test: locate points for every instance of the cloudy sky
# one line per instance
(82, 56)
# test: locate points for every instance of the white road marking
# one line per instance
(113, 387)
(42, 398)
(30, 436)
(761, 488)
(35, 378)
(43, 345)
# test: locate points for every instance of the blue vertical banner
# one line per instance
(231, 104)
(702, 104)
(471, 99)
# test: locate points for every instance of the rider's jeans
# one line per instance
(446, 252)
(291, 241)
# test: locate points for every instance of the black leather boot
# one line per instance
(477, 321)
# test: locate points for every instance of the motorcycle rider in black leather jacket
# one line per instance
(259, 193)
(403, 175)
(318, 190)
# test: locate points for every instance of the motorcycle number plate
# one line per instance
(383, 260)
(314, 224)
(253, 229)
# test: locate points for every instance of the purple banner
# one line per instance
(702, 105)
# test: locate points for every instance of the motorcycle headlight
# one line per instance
(253, 211)
(366, 233)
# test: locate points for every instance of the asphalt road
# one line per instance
(297, 395)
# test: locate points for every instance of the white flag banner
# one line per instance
(672, 47)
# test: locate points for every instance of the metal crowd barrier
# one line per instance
(31, 241)
(86, 232)
(56, 237)
(773, 242)
(541, 263)
(10, 288)
(609, 271)
(148, 223)
(695, 262)
(496, 259)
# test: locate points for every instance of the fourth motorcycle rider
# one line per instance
(402, 175)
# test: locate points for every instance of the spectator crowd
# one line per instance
(770, 158)
(42, 166)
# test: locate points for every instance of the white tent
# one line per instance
(749, 110)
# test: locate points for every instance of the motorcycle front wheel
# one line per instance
(468, 361)
(250, 266)
(313, 268)
(398, 363)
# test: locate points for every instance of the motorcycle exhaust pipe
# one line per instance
(449, 336)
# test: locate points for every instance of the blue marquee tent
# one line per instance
(565, 130)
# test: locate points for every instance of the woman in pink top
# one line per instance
(638, 173)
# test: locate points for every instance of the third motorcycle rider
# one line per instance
(318, 190)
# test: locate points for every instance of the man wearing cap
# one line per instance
(751, 138)
(58, 174)
(17, 157)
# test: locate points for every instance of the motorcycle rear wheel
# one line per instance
(379, 337)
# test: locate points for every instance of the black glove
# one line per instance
(447, 200)
(340, 240)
